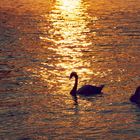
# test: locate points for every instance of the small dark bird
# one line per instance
(86, 90)
(136, 96)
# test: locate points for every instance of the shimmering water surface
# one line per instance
(41, 42)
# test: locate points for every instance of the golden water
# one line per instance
(41, 42)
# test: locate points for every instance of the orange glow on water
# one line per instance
(42, 42)
(69, 23)
(68, 34)
(69, 5)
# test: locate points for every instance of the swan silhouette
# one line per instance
(136, 96)
(86, 90)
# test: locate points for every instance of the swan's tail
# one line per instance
(102, 86)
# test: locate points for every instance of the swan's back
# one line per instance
(89, 90)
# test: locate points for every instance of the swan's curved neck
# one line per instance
(75, 84)
(74, 89)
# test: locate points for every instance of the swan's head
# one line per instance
(73, 74)
(137, 92)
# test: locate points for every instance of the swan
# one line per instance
(86, 90)
(136, 96)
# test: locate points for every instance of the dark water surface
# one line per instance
(41, 42)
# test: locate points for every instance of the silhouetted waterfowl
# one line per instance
(86, 90)
(136, 96)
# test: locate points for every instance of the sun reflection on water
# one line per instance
(71, 25)
(70, 5)
(69, 22)
(67, 36)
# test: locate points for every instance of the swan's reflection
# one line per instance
(75, 99)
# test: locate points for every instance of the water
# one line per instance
(41, 42)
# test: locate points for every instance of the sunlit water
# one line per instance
(41, 42)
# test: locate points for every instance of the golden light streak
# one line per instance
(68, 36)
(70, 23)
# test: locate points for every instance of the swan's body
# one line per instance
(136, 96)
(86, 90)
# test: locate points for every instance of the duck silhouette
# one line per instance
(136, 96)
(86, 90)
